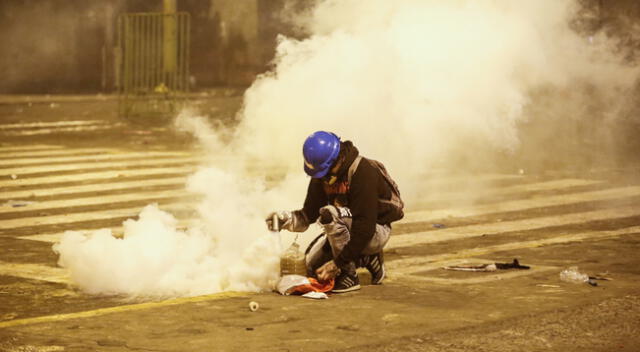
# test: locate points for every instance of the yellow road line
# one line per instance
(121, 309)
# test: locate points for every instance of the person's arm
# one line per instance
(363, 202)
(316, 198)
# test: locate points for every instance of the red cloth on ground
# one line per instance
(314, 285)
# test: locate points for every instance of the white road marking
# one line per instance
(28, 154)
(100, 175)
(116, 231)
(522, 204)
(89, 166)
(95, 215)
(18, 148)
(55, 237)
(8, 126)
(35, 272)
(477, 230)
(149, 197)
(35, 132)
(102, 187)
(97, 157)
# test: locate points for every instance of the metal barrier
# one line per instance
(152, 63)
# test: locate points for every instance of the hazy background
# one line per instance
(428, 87)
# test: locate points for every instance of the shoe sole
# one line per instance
(348, 289)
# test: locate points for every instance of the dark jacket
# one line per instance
(360, 196)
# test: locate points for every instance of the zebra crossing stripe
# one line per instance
(141, 196)
(56, 237)
(96, 176)
(20, 148)
(8, 126)
(463, 232)
(522, 204)
(83, 158)
(102, 187)
(86, 216)
(93, 165)
(489, 190)
(116, 231)
(29, 154)
(40, 131)
(35, 272)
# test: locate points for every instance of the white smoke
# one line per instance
(416, 84)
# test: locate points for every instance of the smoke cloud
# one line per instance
(420, 85)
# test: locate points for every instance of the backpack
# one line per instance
(397, 205)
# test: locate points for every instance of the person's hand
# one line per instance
(328, 271)
(280, 216)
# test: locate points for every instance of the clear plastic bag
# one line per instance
(572, 275)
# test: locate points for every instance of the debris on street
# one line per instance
(487, 267)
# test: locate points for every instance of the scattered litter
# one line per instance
(14, 176)
(521, 171)
(54, 105)
(572, 275)
(298, 284)
(315, 295)
(253, 306)
(513, 265)
(288, 282)
(439, 226)
(548, 286)
(471, 267)
(487, 267)
(348, 328)
(17, 203)
(249, 329)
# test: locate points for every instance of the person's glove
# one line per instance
(278, 220)
(328, 271)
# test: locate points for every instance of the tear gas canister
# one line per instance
(276, 223)
(292, 261)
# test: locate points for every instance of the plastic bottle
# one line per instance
(572, 275)
(292, 261)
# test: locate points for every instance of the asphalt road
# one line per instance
(70, 175)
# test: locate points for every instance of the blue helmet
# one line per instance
(320, 151)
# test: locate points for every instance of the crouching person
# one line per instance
(355, 201)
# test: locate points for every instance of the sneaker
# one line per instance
(346, 282)
(375, 264)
